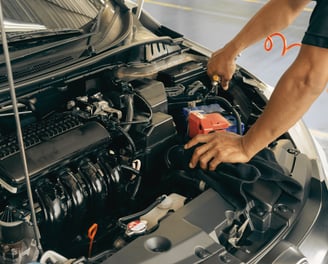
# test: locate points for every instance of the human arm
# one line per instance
(274, 16)
(297, 89)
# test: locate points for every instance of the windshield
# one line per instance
(22, 15)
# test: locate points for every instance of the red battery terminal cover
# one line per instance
(202, 123)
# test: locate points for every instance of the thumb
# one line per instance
(225, 84)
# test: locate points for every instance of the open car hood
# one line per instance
(99, 174)
(38, 52)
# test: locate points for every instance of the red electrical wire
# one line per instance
(268, 43)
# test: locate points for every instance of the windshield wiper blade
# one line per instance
(15, 37)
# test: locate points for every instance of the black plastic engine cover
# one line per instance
(43, 157)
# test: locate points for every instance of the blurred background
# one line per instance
(212, 23)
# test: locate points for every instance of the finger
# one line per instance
(210, 159)
(205, 159)
(195, 140)
(214, 162)
(190, 144)
(198, 152)
(210, 71)
(225, 84)
(216, 78)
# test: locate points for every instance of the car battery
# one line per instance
(184, 73)
(233, 124)
(210, 108)
(202, 123)
(213, 108)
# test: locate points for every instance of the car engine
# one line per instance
(98, 149)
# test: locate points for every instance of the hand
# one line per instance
(222, 63)
(216, 148)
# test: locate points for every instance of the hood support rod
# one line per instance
(139, 8)
(19, 129)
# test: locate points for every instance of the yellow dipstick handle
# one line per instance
(215, 78)
(92, 231)
(215, 82)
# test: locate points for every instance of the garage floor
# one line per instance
(212, 23)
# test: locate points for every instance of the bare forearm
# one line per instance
(274, 16)
(295, 92)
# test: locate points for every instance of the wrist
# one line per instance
(249, 148)
(233, 49)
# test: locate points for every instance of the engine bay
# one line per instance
(100, 149)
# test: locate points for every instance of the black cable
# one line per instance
(130, 169)
(130, 140)
(230, 107)
(101, 256)
(148, 120)
(140, 213)
(136, 188)
(129, 113)
(137, 185)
